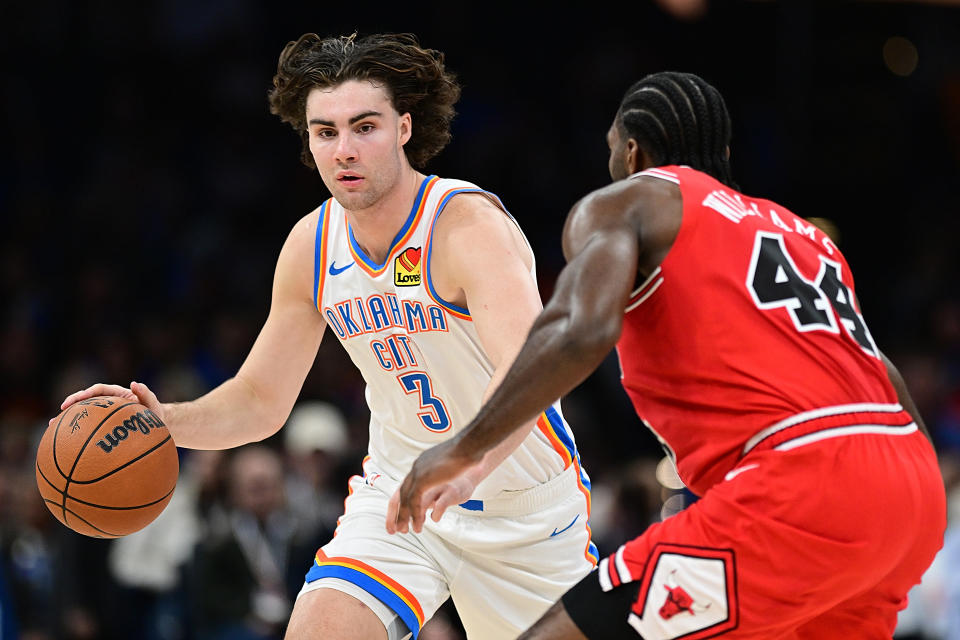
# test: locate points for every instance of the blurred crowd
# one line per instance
(145, 193)
(227, 556)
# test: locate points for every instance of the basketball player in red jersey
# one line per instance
(743, 348)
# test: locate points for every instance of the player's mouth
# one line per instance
(349, 178)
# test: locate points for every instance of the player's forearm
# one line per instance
(228, 416)
(556, 358)
(494, 457)
(499, 453)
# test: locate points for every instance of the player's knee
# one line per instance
(328, 613)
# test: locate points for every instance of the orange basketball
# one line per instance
(107, 467)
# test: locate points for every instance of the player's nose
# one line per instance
(346, 150)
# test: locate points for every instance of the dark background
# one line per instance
(145, 190)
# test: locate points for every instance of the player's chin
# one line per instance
(355, 199)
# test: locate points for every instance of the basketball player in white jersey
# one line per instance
(432, 309)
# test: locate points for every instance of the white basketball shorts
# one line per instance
(504, 561)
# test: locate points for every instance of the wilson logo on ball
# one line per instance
(141, 422)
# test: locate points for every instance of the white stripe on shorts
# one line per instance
(604, 576)
(622, 569)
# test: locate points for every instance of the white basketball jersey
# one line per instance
(425, 368)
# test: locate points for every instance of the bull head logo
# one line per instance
(678, 600)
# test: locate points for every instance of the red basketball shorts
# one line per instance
(819, 541)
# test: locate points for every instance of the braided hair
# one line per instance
(679, 118)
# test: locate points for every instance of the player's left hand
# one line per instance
(439, 478)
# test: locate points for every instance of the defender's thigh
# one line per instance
(792, 536)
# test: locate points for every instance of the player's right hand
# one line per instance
(138, 392)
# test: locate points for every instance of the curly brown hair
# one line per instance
(414, 77)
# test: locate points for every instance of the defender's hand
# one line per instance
(439, 478)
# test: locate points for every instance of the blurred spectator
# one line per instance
(933, 608)
(251, 562)
(27, 560)
(315, 440)
(149, 566)
(8, 615)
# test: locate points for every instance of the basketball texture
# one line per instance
(107, 467)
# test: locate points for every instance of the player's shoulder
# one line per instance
(638, 194)
(303, 233)
(308, 223)
(446, 184)
(299, 249)
(474, 221)
(465, 203)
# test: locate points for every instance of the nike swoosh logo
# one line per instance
(334, 270)
(556, 533)
(733, 474)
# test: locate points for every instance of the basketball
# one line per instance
(106, 467)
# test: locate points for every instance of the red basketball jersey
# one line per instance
(750, 320)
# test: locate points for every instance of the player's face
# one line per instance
(617, 164)
(356, 139)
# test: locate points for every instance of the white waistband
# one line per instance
(525, 501)
(819, 413)
(506, 503)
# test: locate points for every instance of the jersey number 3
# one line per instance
(434, 415)
(774, 282)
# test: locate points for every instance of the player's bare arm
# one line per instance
(255, 403)
(576, 330)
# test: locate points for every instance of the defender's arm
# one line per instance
(579, 326)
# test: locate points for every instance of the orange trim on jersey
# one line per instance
(586, 494)
(397, 245)
(350, 492)
(543, 423)
(547, 429)
(324, 221)
(425, 260)
(399, 590)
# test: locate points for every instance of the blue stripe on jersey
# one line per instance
(594, 552)
(317, 267)
(426, 266)
(403, 230)
(371, 586)
(560, 428)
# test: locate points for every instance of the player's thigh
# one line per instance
(594, 613)
(515, 568)
(793, 536)
(327, 613)
(597, 610)
(397, 576)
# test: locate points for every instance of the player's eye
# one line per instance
(365, 128)
(324, 133)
